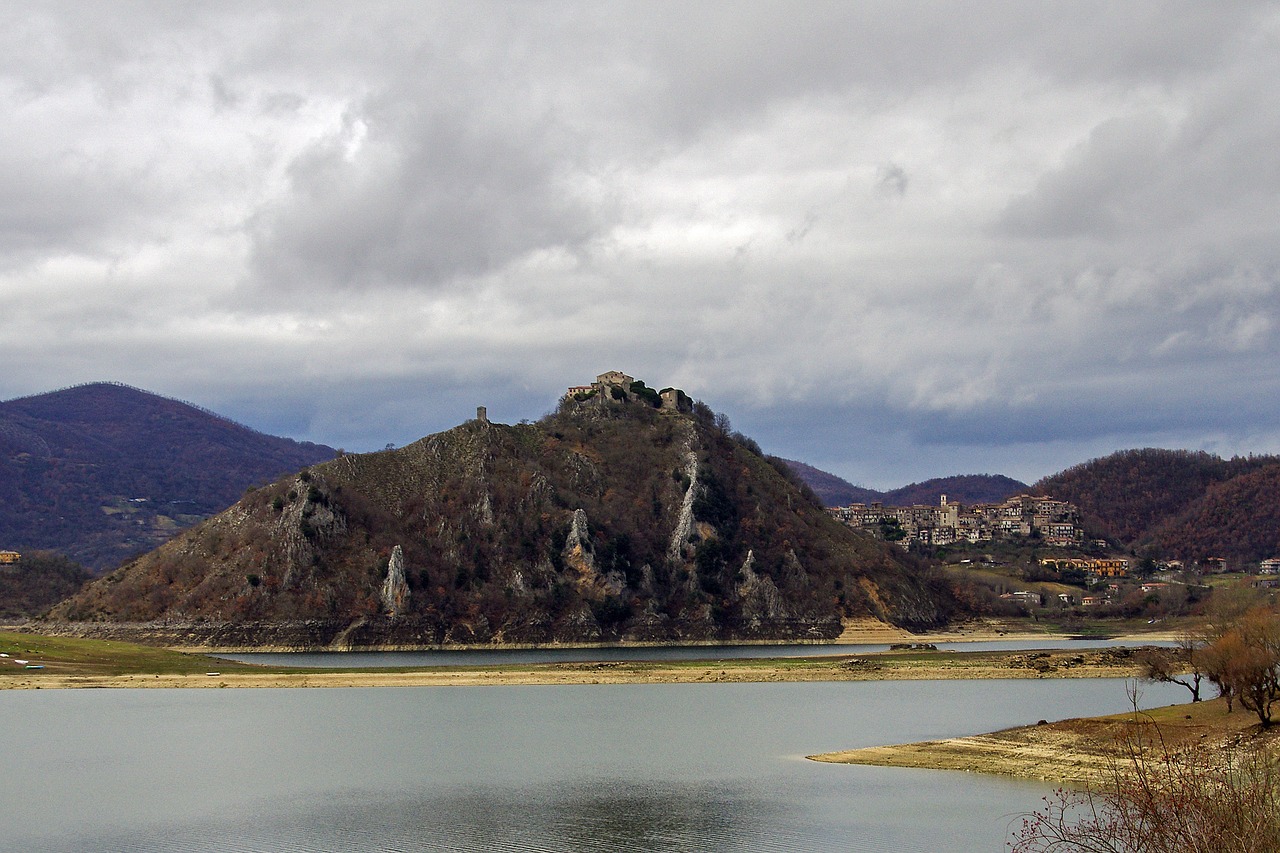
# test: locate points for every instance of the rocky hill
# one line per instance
(1177, 503)
(101, 472)
(624, 515)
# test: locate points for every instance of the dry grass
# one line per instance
(1075, 751)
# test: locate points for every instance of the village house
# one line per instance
(1269, 566)
(8, 558)
(1055, 522)
(1110, 568)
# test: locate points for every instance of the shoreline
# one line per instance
(1078, 752)
(876, 666)
(863, 631)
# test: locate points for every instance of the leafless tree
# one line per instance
(1159, 800)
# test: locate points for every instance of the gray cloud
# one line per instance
(889, 237)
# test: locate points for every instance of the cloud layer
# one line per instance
(898, 241)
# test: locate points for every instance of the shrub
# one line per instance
(1166, 802)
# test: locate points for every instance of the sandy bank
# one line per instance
(882, 666)
(1082, 751)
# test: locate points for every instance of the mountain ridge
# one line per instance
(99, 471)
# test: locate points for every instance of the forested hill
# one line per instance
(830, 489)
(103, 471)
(1178, 503)
(617, 517)
(961, 488)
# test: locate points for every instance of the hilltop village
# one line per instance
(1052, 522)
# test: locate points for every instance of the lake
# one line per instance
(649, 767)
(585, 654)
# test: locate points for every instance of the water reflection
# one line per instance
(609, 815)
(612, 767)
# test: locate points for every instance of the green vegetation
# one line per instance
(74, 656)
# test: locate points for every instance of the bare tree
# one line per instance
(1180, 665)
(1158, 800)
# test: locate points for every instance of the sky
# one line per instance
(892, 240)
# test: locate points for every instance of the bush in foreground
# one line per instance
(1166, 801)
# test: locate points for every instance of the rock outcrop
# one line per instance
(612, 519)
(395, 592)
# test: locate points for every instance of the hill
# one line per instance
(1237, 520)
(620, 516)
(39, 581)
(962, 488)
(103, 471)
(1177, 503)
(830, 489)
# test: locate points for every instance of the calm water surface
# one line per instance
(481, 657)
(680, 767)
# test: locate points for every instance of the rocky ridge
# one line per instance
(613, 519)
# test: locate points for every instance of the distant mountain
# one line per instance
(1177, 503)
(962, 488)
(103, 471)
(623, 515)
(830, 489)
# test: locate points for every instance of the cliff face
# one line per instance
(611, 519)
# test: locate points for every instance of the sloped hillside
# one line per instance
(611, 519)
(39, 581)
(830, 489)
(1237, 520)
(1124, 495)
(100, 472)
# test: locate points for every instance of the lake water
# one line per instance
(680, 767)
(496, 657)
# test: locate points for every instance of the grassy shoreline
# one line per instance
(72, 662)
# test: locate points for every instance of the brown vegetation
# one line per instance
(1177, 503)
(101, 472)
(1163, 794)
(561, 530)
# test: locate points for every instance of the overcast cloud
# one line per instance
(894, 240)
